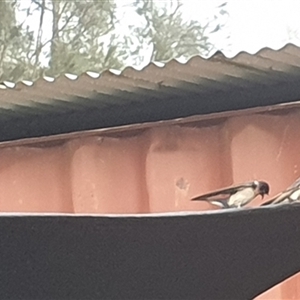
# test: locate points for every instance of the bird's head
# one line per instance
(262, 188)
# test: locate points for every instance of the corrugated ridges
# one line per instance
(197, 75)
(286, 51)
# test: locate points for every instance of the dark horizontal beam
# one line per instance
(220, 255)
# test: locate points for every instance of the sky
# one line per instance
(251, 24)
(266, 23)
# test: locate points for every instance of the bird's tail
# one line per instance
(217, 202)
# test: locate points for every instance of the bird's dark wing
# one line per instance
(222, 194)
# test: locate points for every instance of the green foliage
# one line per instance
(170, 34)
(14, 46)
(79, 36)
(78, 40)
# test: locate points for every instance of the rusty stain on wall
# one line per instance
(157, 169)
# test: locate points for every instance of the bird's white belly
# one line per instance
(241, 198)
(295, 196)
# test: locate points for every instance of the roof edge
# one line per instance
(94, 74)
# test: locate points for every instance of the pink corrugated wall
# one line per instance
(156, 170)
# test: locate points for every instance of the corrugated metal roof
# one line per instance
(198, 75)
(158, 92)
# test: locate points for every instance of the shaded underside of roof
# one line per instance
(158, 92)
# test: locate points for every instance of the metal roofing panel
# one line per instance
(217, 70)
(159, 91)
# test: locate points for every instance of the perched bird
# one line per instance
(290, 195)
(235, 196)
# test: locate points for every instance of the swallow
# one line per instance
(235, 196)
(290, 195)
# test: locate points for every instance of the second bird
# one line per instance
(290, 195)
(235, 196)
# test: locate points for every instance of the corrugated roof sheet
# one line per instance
(158, 79)
(158, 92)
